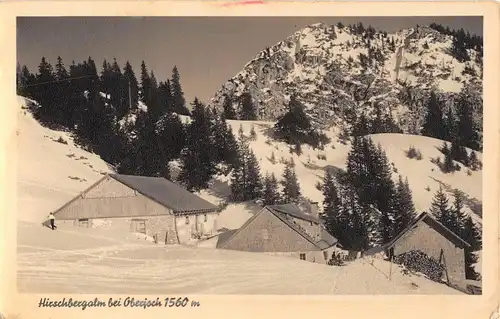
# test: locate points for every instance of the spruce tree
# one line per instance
(154, 107)
(336, 223)
(27, 79)
(451, 127)
(294, 126)
(404, 205)
(149, 154)
(466, 133)
(246, 183)
(229, 112)
(172, 134)
(241, 133)
(63, 110)
(270, 194)
(178, 101)
(472, 234)
(458, 215)
(198, 165)
(248, 110)
(458, 49)
(238, 175)
(448, 164)
(370, 175)
(44, 91)
(145, 95)
(458, 152)
(434, 125)
(253, 134)
(291, 186)
(254, 179)
(474, 162)
(440, 207)
(165, 97)
(224, 141)
(361, 128)
(131, 90)
(105, 77)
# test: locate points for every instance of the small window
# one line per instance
(187, 220)
(325, 254)
(205, 218)
(302, 256)
(265, 234)
(84, 222)
(139, 226)
(311, 223)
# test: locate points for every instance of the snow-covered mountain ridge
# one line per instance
(336, 71)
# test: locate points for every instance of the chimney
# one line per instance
(313, 209)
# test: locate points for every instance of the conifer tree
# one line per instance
(458, 49)
(472, 234)
(448, 164)
(44, 91)
(370, 175)
(178, 101)
(63, 110)
(361, 128)
(105, 77)
(466, 133)
(198, 165)
(451, 127)
(248, 109)
(254, 179)
(224, 141)
(241, 133)
(434, 125)
(253, 134)
(154, 106)
(291, 186)
(238, 175)
(294, 126)
(440, 207)
(166, 98)
(270, 194)
(229, 112)
(26, 80)
(246, 182)
(404, 205)
(457, 214)
(474, 162)
(145, 95)
(172, 135)
(335, 220)
(131, 89)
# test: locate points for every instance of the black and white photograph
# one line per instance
(327, 155)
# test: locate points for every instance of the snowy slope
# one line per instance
(424, 177)
(79, 260)
(321, 64)
(420, 173)
(50, 172)
(73, 260)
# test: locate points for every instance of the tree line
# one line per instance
(461, 224)
(457, 127)
(363, 207)
(462, 41)
(93, 106)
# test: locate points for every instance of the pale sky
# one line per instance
(207, 50)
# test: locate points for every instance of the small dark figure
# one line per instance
(52, 221)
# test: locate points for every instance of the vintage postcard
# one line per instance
(280, 159)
